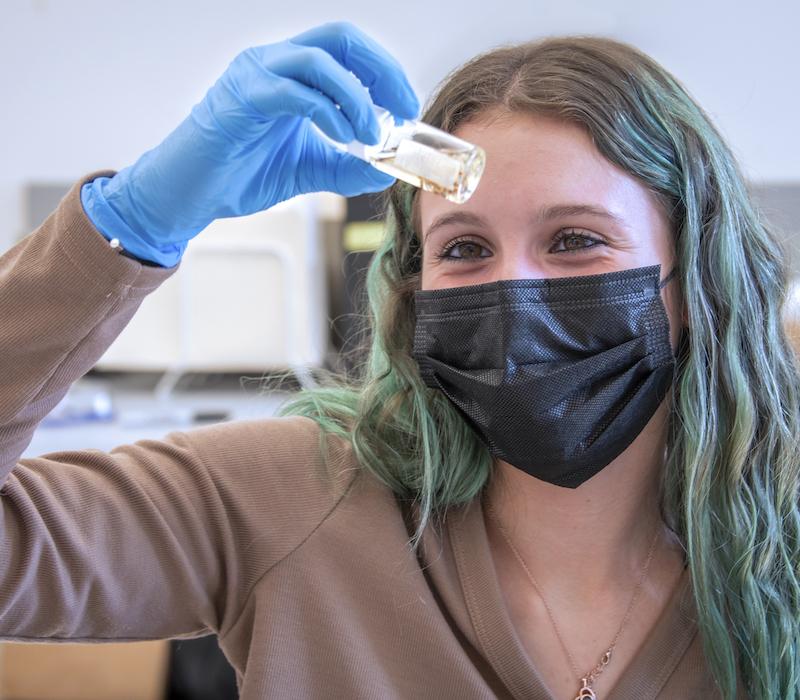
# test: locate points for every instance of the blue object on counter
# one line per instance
(81, 404)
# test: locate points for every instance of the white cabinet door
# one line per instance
(251, 294)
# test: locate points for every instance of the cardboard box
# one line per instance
(130, 671)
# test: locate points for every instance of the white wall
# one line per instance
(87, 84)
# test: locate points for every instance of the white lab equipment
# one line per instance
(251, 295)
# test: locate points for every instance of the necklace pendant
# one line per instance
(585, 693)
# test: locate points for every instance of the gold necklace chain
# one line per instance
(586, 691)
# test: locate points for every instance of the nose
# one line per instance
(518, 266)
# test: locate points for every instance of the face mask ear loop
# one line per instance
(667, 279)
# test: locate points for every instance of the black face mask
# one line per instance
(557, 376)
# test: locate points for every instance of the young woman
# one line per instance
(570, 468)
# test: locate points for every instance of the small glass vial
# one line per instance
(424, 156)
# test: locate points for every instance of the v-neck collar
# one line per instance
(645, 675)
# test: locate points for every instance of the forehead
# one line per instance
(534, 162)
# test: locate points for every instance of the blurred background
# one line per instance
(262, 303)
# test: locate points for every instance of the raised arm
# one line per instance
(146, 541)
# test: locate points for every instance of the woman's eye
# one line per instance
(465, 250)
(570, 241)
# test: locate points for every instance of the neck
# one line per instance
(582, 543)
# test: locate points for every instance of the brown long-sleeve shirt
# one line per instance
(302, 570)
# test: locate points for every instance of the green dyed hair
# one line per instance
(730, 483)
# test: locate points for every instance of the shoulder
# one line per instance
(276, 480)
(276, 456)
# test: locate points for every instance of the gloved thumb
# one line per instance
(354, 176)
(340, 172)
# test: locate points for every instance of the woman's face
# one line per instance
(548, 205)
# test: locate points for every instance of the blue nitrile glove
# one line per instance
(250, 143)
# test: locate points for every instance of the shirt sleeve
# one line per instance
(161, 538)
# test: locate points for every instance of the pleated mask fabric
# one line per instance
(557, 376)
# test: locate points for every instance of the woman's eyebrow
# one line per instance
(556, 211)
(455, 217)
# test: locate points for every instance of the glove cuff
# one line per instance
(111, 225)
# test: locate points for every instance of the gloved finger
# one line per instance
(354, 176)
(372, 64)
(332, 170)
(287, 97)
(316, 68)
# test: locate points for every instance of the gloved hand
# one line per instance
(250, 143)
